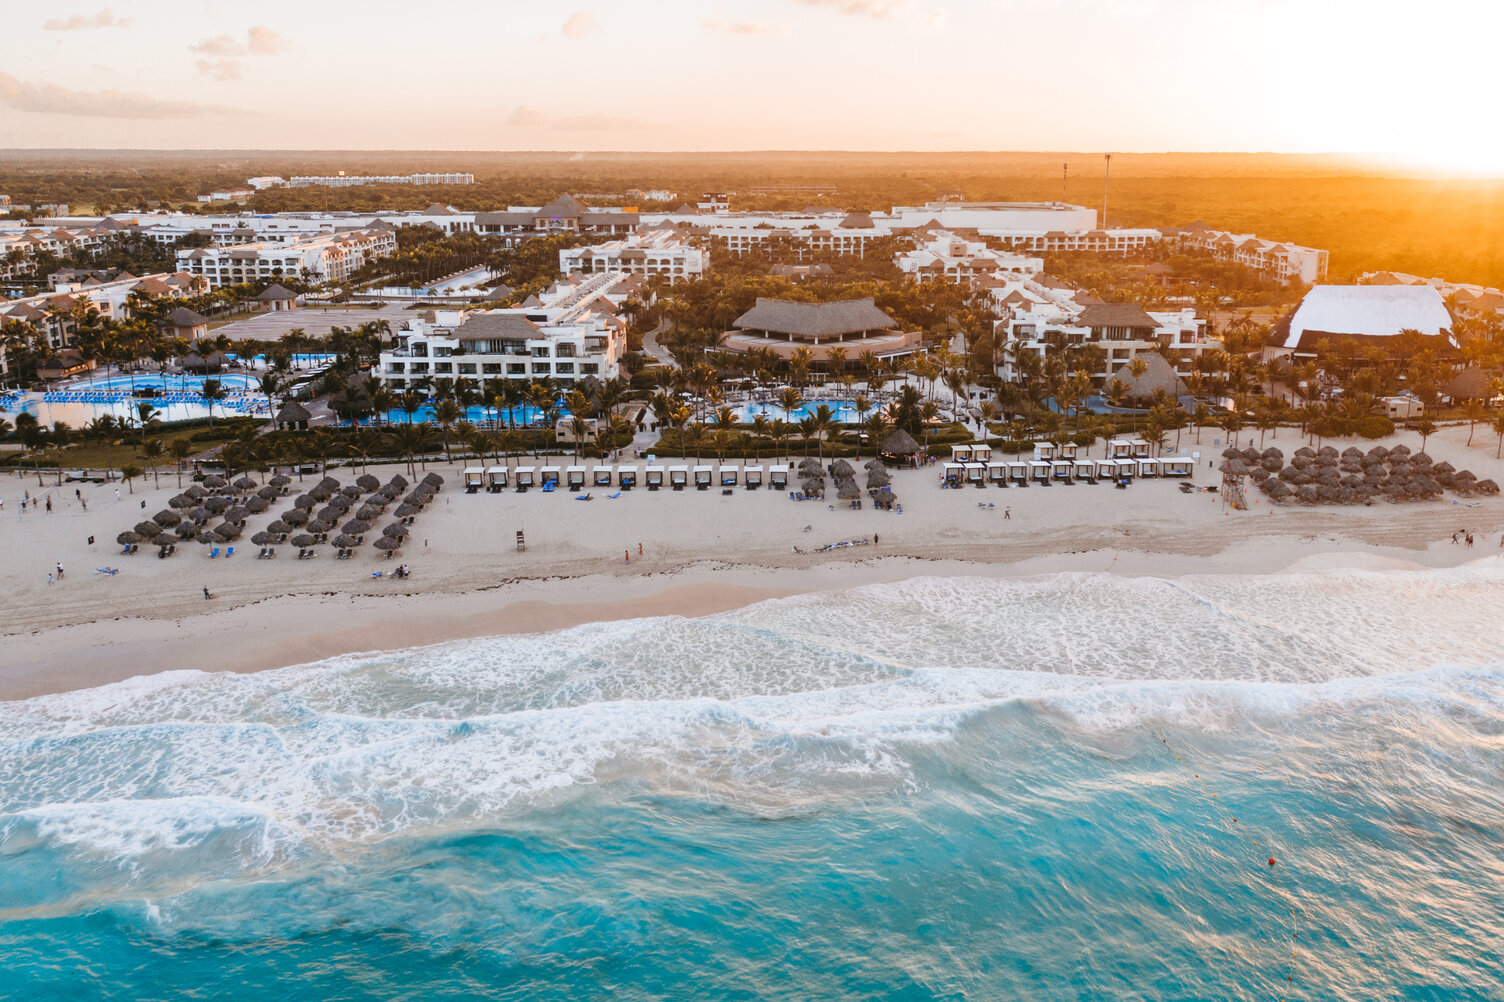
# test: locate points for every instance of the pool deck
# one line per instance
(318, 323)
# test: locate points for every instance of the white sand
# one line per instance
(702, 553)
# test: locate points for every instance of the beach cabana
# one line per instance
(778, 476)
(1124, 469)
(1018, 472)
(953, 474)
(729, 476)
(752, 477)
(704, 477)
(981, 453)
(601, 476)
(475, 479)
(527, 476)
(550, 475)
(1147, 467)
(653, 477)
(1044, 450)
(1062, 470)
(1119, 448)
(976, 474)
(574, 477)
(1176, 466)
(678, 477)
(496, 479)
(1039, 470)
(1067, 450)
(997, 473)
(1084, 469)
(1140, 448)
(626, 477)
(960, 453)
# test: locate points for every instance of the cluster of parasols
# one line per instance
(1353, 476)
(349, 511)
(878, 481)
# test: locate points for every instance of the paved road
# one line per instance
(653, 349)
(271, 326)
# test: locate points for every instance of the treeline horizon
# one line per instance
(1369, 216)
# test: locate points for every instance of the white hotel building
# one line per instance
(941, 256)
(664, 252)
(576, 337)
(325, 257)
(1283, 261)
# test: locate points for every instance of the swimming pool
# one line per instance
(521, 417)
(190, 384)
(845, 411)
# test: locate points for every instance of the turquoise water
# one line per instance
(1062, 788)
(520, 416)
(843, 410)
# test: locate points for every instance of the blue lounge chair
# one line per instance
(616, 495)
(214, 553)
(230, 552)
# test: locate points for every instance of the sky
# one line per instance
(1299, 76)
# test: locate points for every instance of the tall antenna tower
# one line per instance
(1106, 176)
(1065, 177)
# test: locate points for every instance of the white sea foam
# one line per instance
(773, 707)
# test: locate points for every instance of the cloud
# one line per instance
(522, 115)
(79, 22)
(228, 51)
(263, 41)
(50, 99)
(221, 69)
(880, 9)
(580, 24)
(747, 28)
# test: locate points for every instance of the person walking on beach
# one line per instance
(1007, 513)
(49, 580)
(117, 493)
(78, 494)
(59, 572)
(639, 549)
(206, 592)
(84, 503)
(49, 504)
(627, 555)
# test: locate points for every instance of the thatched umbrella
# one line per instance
(1398, 450)
(356, 527)
(237, 513)
(842, 470)
(1289, 473)
(195, 491)
(201, 514)
(217, 505)
(368, 513)
(1259, 474)
(329, 484)
(227, 531)
(186, 531)
(874, 462)
(319, 526)
(1347, 495)
(127, 538)
(304, 540)
(245, 484)
(387, 543)
(1352, 452)
(899, 444)
(304, 501)
(1273, 452)
(1353, 481)
(1486, 487)
(344, 542)
(367, 483)
(269, 493)
(398, 481)
(280, 481)
(1271, 464)
(182, 501)
(148, 530)
(321, 494)
(847, 490)
(1330, 478)
(406, 511)
(278, 527)
(395, 529)
(206, 537)
(435, 479)
(257, 505)
(417, 498)
(1327, 450)
(1306, 452)
(1307, 494)
(264, 538)
(1395, 490)
(295, 517)
(878, 478)
(1232, 453)
(813, 486)
(1328, 493)
(1443, 467)
(1420, 459)
(351, 491)
(329, 513)
(391, 492)
(167, 518)
(1252, 455)
(214, 483)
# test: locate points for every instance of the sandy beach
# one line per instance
(701, 553)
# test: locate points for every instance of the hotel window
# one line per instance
(467, 368)
(564, 367)
(443, 367)
(540, 368)
(491, 369)
(516, 369)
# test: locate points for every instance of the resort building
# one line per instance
(1284, 262)
(565, 214)
(942, 256)
(56, 314)
(576, 337)
(343, 180)
(329, 257)
(1368, 313)
(854, 325)
(664, 252)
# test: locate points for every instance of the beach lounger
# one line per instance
(214, 553)
(106, 570)
(229, 553)
(612, 496)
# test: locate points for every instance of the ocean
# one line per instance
(1071, 787)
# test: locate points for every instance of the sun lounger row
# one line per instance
(1065, 471)
(496, 479)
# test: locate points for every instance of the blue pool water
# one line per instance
(519, 416)
(843, 410)
(230, 381)
(1061, 788)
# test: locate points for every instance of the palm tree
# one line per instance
(446, 413)
(1498, 426)
(809, 427)
(153, 448)
(780, 431)
(790, 400)
(1427, 428)
(1475, 412)
(181, 449)
(129, 472)
(835, 362)
(411, 402)
(211, 391)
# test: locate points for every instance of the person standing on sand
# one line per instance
(627, 554)
(1007, 513)
(206, 592)
(639, 549)
(49, 580)
(59, 572)
(49, 504)
(117, 493)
